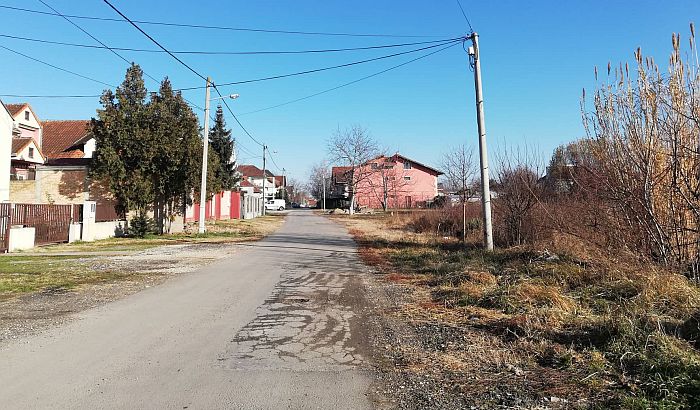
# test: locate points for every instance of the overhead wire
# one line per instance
(272, 159)
(199, 52)
(49, 96)
(112, 50)
(349, 83)
(154, 41)
(57, 67)
(459, 3)
(188, 67)
(227, 28)
(316, 70)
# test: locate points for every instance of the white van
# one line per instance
(275, 205)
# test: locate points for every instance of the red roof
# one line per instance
(340, 174)
(15, 109)
(246, 184)
(250, 171)
(61, 139)
(18, 144)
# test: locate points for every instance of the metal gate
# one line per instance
(4, 227)
(52, 222)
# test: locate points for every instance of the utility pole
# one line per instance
(205, 148)
(483, 155)
(323, 178)
(264, 179)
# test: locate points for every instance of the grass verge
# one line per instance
(234, 230)
(598, 333)
(26, 274)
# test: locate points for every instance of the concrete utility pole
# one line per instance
(323, 178)
(205, 154)
(264, 179)
(483, 155)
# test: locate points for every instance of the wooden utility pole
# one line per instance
(483, 155)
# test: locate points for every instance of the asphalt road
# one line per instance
(275, 325)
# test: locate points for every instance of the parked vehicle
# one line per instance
(275, 205)
(295, 205)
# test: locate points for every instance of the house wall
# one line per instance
(89, 148)
(403, 193)
(60, 185)
(24, 154)
(5, 148)
(29, 128)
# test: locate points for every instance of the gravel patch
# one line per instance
(32, 313)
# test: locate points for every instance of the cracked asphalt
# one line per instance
(277, 324)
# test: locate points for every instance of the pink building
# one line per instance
(395, 181)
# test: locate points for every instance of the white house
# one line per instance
(254, 176)
(6, 124)
(26, 123)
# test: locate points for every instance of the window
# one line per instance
(31, 152)
(375, 166)
(26, 115)
(406, 178)
(407, 165)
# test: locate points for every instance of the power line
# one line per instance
(228, 28)
(112, 50)
(48, 96)
(57, 67)
(236, 118)
(188, 67)
(351, 82)
(316, 70)
(273, 160)
(154, 41)
(197, 52)
(459, 3)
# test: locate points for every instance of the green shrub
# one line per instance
(140, 226)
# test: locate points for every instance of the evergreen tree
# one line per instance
(125, 143)
(223, 145)
(174, 168)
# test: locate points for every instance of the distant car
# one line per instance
(275, 205)
(295, 205)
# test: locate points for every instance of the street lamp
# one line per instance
(205, 154)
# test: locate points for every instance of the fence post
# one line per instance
(89, 208)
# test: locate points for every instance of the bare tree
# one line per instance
(353, 148)
(518, 191)
(318, 176)
(458, 166)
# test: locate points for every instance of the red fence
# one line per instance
(106, 213)
(52, 222)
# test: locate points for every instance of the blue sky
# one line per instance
(536, 58)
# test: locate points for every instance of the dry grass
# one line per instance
(594, 329)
